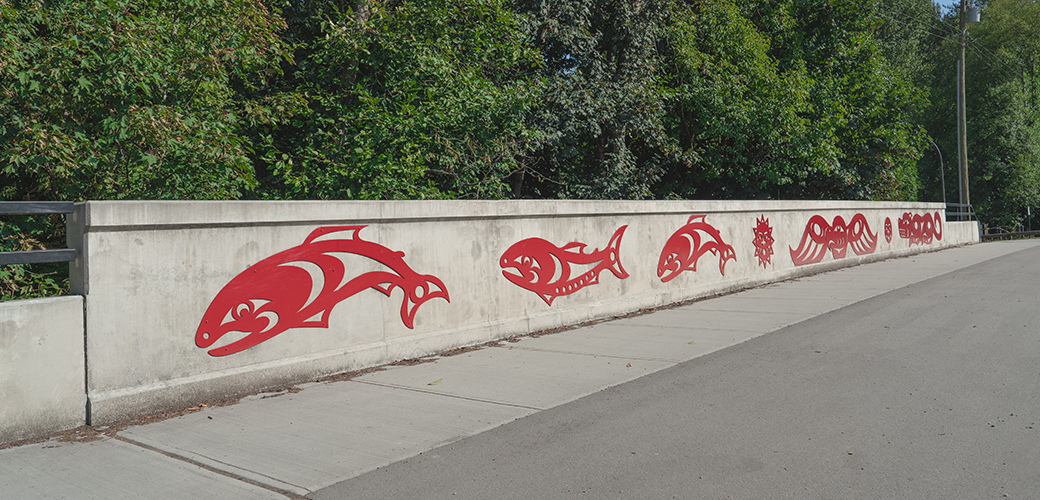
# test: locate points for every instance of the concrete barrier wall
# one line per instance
(42, 387)
(961, 233)
(153, 272)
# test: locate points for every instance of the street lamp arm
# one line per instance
(942, 169)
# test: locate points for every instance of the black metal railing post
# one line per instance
(37, 256)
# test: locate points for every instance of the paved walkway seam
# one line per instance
(210, 468)
(435, 393)
(578, 353)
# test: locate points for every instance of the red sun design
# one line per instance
(763, 241)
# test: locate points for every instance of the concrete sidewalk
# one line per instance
(290, 444)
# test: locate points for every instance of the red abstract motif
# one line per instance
(689, 243)
(299, 287)
(545, 269)
(888, 230)
(920, 228)
(763, 241)
(836, 237)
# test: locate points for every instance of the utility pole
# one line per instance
(962, 120)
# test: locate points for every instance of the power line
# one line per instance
(978, 43)
(916, 28)
(974, 43)
(929, 13)
(986, 59)
(939, 18)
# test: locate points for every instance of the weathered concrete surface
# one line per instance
(963, 232)
(160, 265)
(518, 377)
(41, 367)
(112, 469)
(329, 432)
(303, 442)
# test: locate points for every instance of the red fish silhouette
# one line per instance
(836, 237)
(545, 269)
(688, 244)
(300, 286)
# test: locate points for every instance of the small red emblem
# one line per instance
(763, 241)
(689, 243)
(920, 229)
(545, 269)
(888, 230)
(300, 286)
(836, 237)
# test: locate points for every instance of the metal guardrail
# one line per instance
(37, 256)
(961, 211)
(1010, 235)
(36, 207)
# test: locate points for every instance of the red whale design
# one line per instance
(545, 269)
(920, 228)
(300, 286)
(836, 237)
(688, 244)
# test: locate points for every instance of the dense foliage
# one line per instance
(598, 123)
(409, 99)
(125, 99)
(789, 100)
(130, 98)
(421, 99)
(1003, 102)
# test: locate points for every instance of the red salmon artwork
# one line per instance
(689, 243)
(836, 237)
(299, 287)
(920, 229)
(888, 230)
(545, 269)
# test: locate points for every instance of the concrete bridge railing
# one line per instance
(178, 303)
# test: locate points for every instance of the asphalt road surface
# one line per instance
(926, 392)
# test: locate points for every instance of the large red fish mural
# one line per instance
(689, 243)
(837, 237)
(920, 229)
(299, 287)
(545, 268)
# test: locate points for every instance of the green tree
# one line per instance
(909, 32)
(123, 99)
(735, 110)
(129, 99)
(599, 118)
(408, 99)
(790, 100)
(1002, 89)
(1004, 102)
